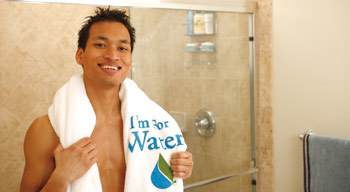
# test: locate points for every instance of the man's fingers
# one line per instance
(183, 172)
(90, 147)
(181, 164)
(187, 162)
(182, 155)
(182, 158)
(82, 142)
(179, 168)
(179, 174)
(92, 154)
(85, 147)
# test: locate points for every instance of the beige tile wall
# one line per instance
(37, 57)
(164, 69)
(264, 113)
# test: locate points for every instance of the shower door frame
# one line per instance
(252, 63)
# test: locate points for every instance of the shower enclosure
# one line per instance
(209, 92)
(205, 81)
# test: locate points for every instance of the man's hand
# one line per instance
(181, 164)
(76, 160)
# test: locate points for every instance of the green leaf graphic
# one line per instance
(165, 168)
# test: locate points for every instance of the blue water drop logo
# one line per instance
(162, 176)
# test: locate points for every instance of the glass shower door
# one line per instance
(186, 82)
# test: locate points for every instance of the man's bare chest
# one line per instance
(110, 158)
(109, 142)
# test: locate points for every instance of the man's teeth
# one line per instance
(109, 67)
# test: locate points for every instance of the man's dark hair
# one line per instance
(105, 14)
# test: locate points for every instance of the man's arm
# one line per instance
(48, 166)
(181, 164)
(39, 144)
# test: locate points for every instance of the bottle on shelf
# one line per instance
(192, 47)
(209, 23)
(190, 15)
(207, 46)
(198, 23)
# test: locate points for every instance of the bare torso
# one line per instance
(41, 141)
(108, 136)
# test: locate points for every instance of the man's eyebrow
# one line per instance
(105, 39)
(100, 38)
(125, 41)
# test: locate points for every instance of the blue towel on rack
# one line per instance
(326, 164)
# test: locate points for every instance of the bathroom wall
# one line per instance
(264, 127)
(164, 70)
(37, 57)
(311, 75)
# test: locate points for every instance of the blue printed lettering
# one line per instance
(154, 123)
(137, 139)
(131, 122)
(153, 145)
(166, 124)
(161, 142)
(160, 126)
(178, 136)
(167, 141)
(142, 124)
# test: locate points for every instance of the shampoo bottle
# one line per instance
(189, 21)
(209, 23)
(199, 26)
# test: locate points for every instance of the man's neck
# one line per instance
(104, 99)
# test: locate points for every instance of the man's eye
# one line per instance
(100, 45)
(123, 48)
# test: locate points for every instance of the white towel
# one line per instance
(150, 136)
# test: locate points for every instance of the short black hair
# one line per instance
(105, 14)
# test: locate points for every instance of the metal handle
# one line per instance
(202, 123)
(205, 123)
(252, 170)
(308, 132)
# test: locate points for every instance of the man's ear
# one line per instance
(79, 56)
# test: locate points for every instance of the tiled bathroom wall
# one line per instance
(264, 100)
(37, 57)
(183, 85)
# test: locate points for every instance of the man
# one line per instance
(104, 50)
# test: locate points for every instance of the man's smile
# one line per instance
(110, 67)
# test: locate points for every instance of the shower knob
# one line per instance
(205, 123)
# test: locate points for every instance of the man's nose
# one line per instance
(112, 53)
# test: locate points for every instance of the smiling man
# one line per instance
(104, 51)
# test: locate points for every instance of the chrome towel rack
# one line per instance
(251, 170)
(308, 132)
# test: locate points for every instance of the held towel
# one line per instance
(326, 164)
(150, 136)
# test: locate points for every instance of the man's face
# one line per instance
(107, 56)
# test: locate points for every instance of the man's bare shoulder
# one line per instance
(39, 144)
(41, 122)
(41, 136)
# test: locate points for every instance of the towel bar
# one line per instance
(206, 182)
(308, 132)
